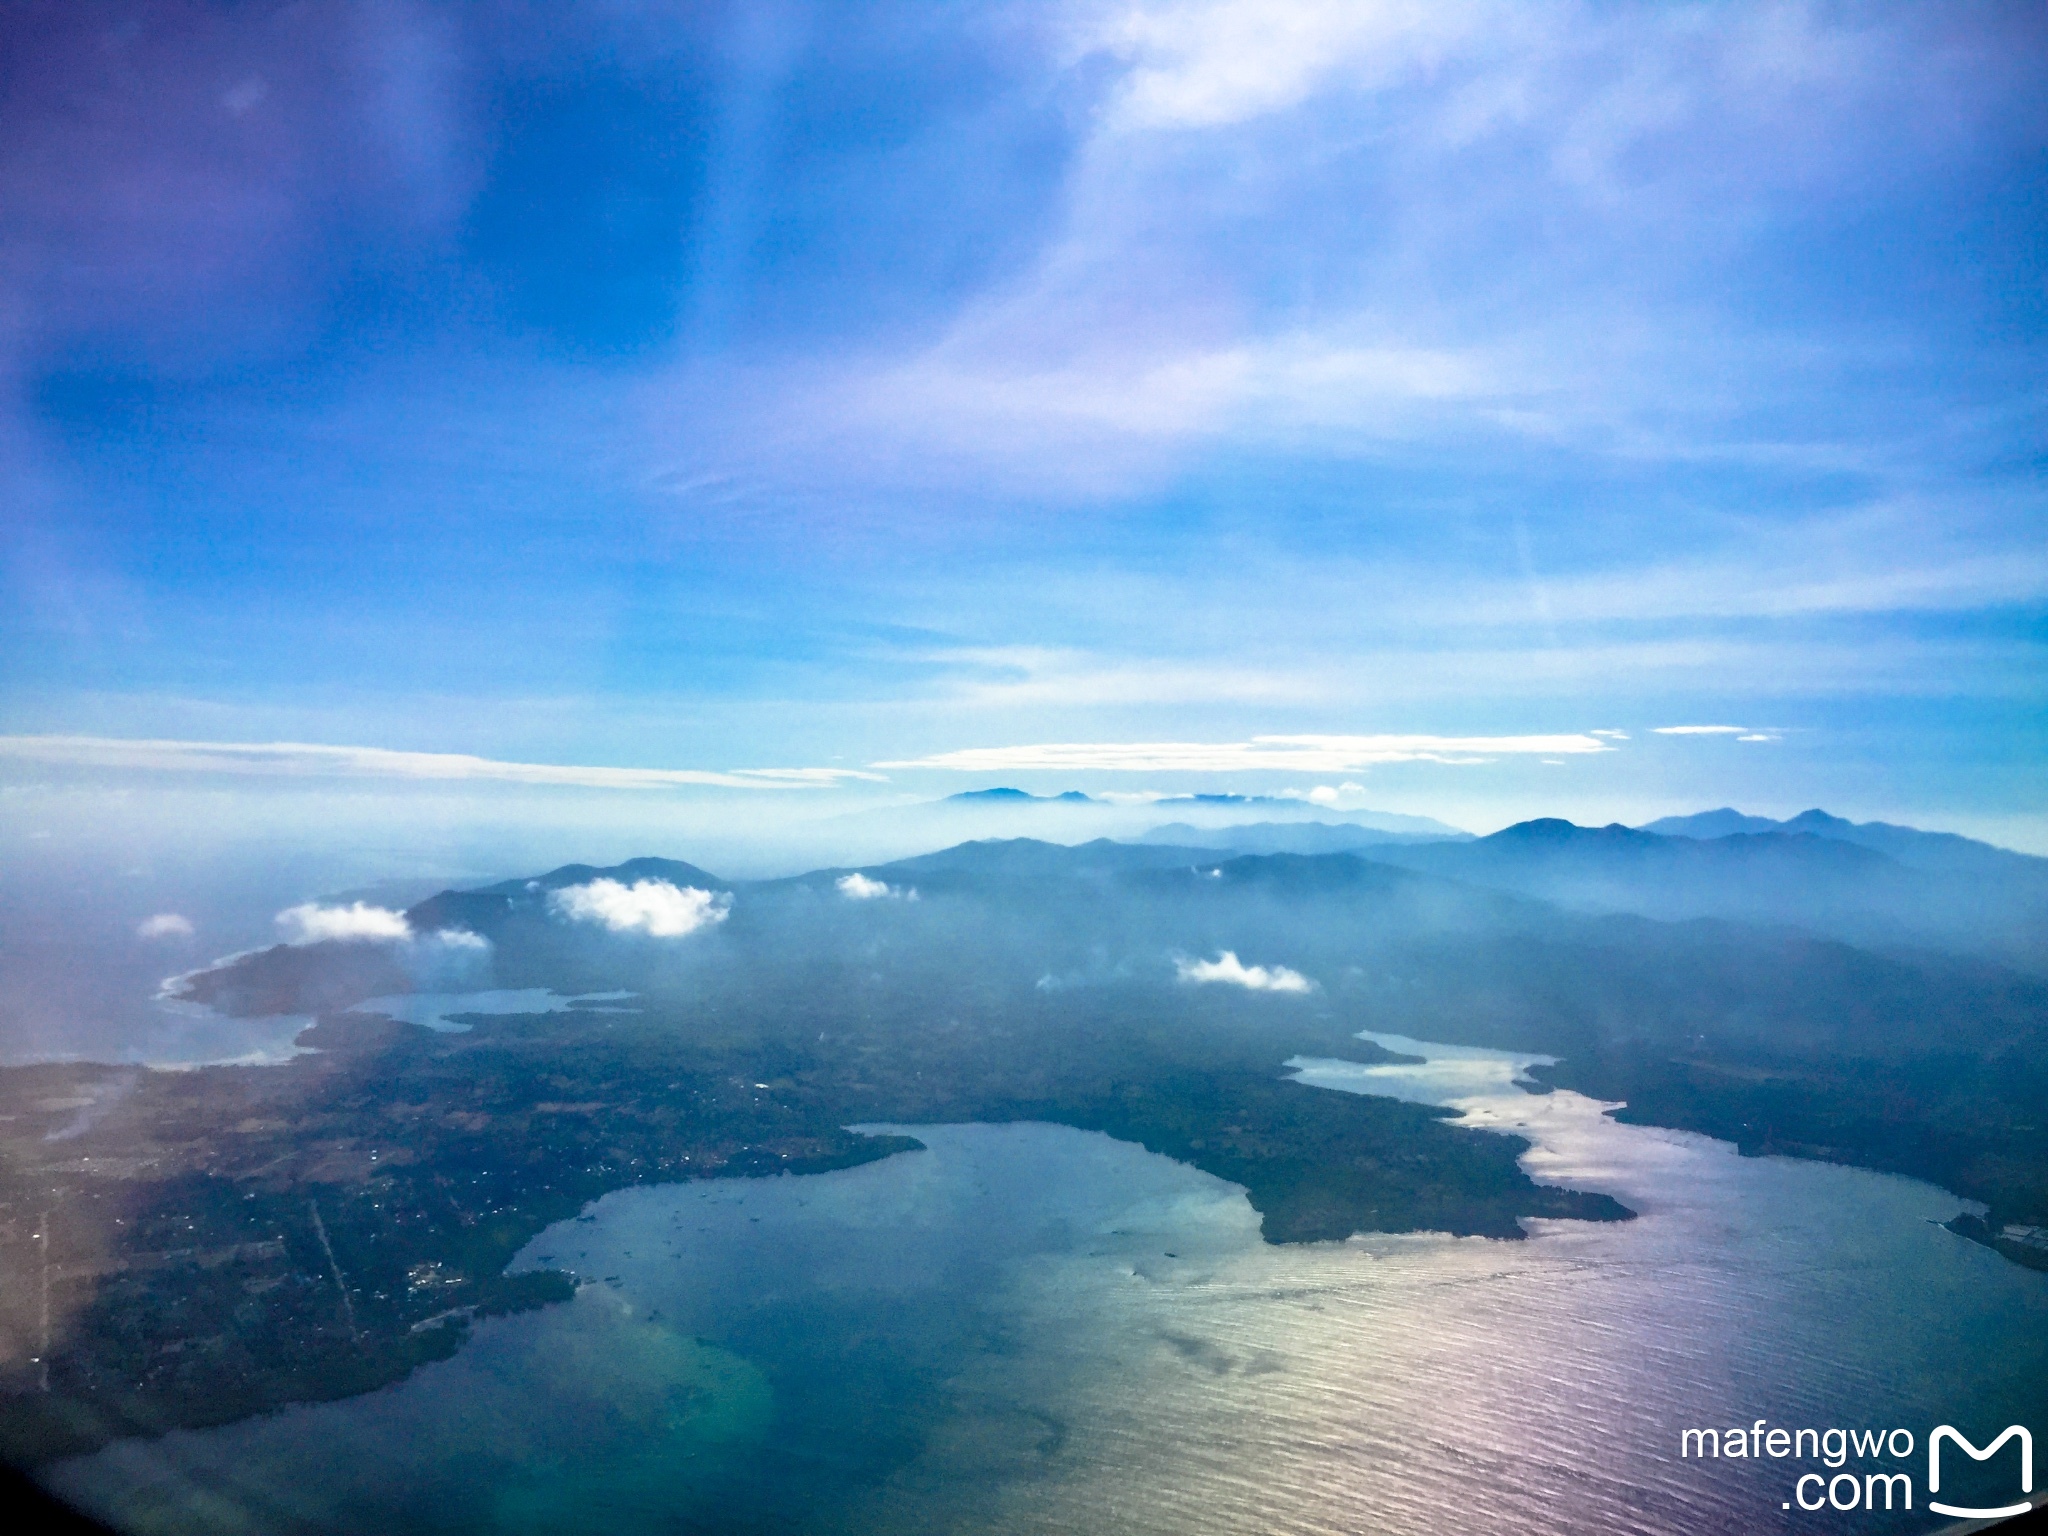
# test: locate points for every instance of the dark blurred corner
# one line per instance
(25, 1510)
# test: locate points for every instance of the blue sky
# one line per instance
(844, 388)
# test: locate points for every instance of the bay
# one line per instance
(1032, 1328)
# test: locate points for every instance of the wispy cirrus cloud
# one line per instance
(1318, 754)
(1312, 362)
(291, 759)
(1218, 62)
(1544, 187)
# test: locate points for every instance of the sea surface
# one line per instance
(185, 1034)
(1028, 1328)
(443, 1011)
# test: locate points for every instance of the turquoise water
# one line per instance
(1031, 1328)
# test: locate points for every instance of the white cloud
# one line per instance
(449, 960)
(1332, 796)
(292, 759)
(311, 923)
(652, 907)
(165, 925)
(858, 887)
(1965, 556)
(1226, 967)
(1326, 754)
(455, 956)
(1219, 62)
(1616, 161)
(1109, 413)
(1698, 730)
(1009, 676)
(1326, 640)
(1757, 736)
(1610, 735)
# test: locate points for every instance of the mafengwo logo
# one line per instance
(1948, 1434)
(1881, 1476)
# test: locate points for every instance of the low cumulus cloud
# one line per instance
(653, 907)
(858, 887)
(438, 960)
(1344, 796)
(311, 923)
(1227, 968)
(449, 960)
(165, 925)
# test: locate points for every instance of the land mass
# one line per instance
(186, 1248)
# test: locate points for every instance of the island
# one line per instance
(183, 1248)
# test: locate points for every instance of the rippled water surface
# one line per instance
(1031, 1328)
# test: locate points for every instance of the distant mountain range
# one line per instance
(1943, 851)
(877, 835)
(1293, 805)
(1871, 884)
(1295, 836)
(1017, 797)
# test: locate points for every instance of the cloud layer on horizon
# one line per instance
(298, 759)
(1262, 754)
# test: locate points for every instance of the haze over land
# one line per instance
(1788, 988)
